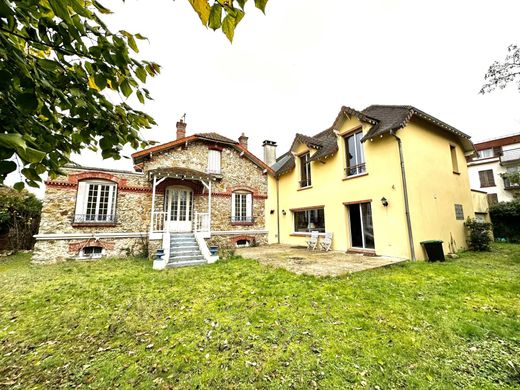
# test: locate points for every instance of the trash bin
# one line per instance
(433, 250)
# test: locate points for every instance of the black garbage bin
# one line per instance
(433, 250)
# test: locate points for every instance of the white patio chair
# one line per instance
(312, 243)
(326, 243)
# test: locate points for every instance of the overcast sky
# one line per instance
(292, 69)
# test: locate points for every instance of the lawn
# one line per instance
(238, 324)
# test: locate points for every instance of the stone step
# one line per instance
(185, 241)
(184, 253)
(183, 247)
(186, 258)
(186, 263)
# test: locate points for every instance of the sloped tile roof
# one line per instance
(216, 137)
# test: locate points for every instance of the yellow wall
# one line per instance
(433, 191)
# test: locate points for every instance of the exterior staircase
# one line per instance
(184, 250)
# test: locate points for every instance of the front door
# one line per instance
(178, 204)
(361, 229)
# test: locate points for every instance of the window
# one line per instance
(309, 220)
(243, 243)
(91, 252)
(480, 217)
(214, 161)
(492, 199)
(459, 212)
(355, 155)
(486, 153)
(305, 169)
(508, 183)
(95, 202)
(242, 207)
(361, 226)
(486, 178)
(454, 162)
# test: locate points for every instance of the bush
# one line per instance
(479, 235)
(506, 220)
(19, 217)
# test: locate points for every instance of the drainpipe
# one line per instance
(405, 191)
(277, 210)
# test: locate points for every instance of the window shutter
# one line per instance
(111, 200)
(214, 161)
(249, 205)
(233, 202)
(81, 198)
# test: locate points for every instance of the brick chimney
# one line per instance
(242, 140)
(269, 152)
(181, 129)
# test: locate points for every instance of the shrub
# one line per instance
(505, 217)
(479, 235)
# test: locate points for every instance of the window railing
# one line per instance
(305, 183)
(511, 155)
(93, 218)
(238, 218)
(355, 169)
(510, 186)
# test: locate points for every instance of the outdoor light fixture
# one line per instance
(271, 212)
(384, 201)
(284, 212)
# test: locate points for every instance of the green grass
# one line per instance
(238, 324)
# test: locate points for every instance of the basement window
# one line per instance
(91, 252)
(243, 243)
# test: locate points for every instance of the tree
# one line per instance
(58, 60)
(501, 74)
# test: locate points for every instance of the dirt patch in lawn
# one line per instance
(301, 261)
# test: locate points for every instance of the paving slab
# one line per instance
(302, 261)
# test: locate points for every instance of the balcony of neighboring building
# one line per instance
(510, 156)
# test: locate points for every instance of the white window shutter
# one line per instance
(81, 198)
(111, 199)
(249, 205)
(233, 203)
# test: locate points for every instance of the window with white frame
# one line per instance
(242, 207)
(95, 202)
(305, 170)
(92, 252)
(486, 153)
(214, 157)
(355, 154)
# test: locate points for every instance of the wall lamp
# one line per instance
(284, 212)
(271, 212)
(384, 202)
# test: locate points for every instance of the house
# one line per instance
(185, 195)
(382, 180)
(496, 157)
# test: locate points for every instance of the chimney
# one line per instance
(181, 129)
(242, 140)
(269, 152)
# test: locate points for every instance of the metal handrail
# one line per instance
(355, 169)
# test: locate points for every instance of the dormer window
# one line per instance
(305, 170)
(355, 155)
(486, 153)
(214, 157)
(95, 202)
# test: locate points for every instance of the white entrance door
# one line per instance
(178, 204)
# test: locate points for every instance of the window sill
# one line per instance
(355, 176)
(304, 188)
(494, 185)
(304, 234)
(242, 223)
(93, 224)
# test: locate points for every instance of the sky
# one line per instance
(292, 69)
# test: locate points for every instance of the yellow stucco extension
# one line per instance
(348, 180)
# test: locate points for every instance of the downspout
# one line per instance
(405, 192)
(277, 210)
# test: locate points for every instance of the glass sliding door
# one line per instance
(361, 227)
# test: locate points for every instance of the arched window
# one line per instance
(242, 207)
(95, 202)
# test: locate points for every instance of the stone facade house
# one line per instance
(184, 196)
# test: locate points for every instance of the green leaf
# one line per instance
(19, 186)
(5, 10)
(241, 3)
(79, 7)
(101, 81)
(31, 155)
(132, 43)
(141, 74)
(7, 167)
(12, 140)
(125, 88)
(60, 9)
(139, 36)
(48, 64)
(101, 8)
(215, 16)
(202, 9)
(228, 27)
(260, 4)
(31, 174)
(140, 96)
(27, 101)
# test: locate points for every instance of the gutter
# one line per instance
(277, 210)
(405, 194)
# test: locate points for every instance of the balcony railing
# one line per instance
(305, 183)
(241, 219)
(510, 186)
(355, 169)
(94, 219)
(510, 156)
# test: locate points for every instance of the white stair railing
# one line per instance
(159, 222)
(201, 222)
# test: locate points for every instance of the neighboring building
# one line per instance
(195, 191)
(496, 156)
(381, 180)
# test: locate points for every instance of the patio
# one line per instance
(301, 261)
